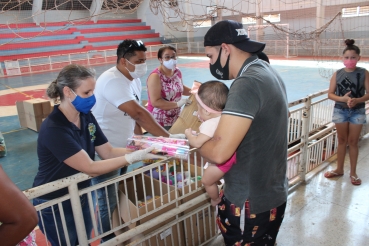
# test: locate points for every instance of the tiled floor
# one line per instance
(319, 212)
(329, 212)
(21, 163)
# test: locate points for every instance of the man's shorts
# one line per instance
(353, 116)
(239, 227)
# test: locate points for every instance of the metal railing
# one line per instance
(57, 62)
(97, 57)
(186, 217)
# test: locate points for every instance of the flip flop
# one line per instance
(331, 174)
(355, 181)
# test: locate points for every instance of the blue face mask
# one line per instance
(83, 105)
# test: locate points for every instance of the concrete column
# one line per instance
(142, 11)
(259, 12)
(219, 13)
(36, 11)
(95, 9)
(320, 15)
(190, 29)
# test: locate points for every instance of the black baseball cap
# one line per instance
(231, 32)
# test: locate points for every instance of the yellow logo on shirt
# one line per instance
(92, 130)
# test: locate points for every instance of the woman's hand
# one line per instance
(142, 155)
(183, 101)
(352, 102)
(347, 97)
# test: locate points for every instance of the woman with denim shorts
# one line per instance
(349, 89)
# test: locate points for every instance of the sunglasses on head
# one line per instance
(134, 43)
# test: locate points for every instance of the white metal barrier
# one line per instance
(90, 58)
(96, 57)
(183, 215)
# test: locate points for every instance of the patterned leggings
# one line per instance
(239, 227)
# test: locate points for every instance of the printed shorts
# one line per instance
(354, 116)
(239, 227)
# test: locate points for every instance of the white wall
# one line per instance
(300, 15)
(9, 17)
(155, 21)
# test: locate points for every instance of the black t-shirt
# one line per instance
(60, 139)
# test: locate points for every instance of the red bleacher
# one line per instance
(63, 23)
(24, 44)
(76, 40)
(72, 30)
(61, 52)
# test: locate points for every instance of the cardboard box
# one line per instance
(201, 227)
(130, 209)
(32, 112)
(187, 118)
(173, 180)
(196, 229)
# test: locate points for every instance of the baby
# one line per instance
(211, 99)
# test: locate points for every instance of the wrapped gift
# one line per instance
(172, 147)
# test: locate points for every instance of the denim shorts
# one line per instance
(354, 116)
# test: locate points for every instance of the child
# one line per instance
(211, 99)
(349, 88)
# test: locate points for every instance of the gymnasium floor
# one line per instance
(320, 212)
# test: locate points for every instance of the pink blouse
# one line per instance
(171, 90)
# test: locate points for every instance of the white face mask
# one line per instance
(140, 70)
(171, 64)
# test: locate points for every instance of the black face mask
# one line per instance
(218, 71)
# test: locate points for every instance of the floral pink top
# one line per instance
(171, 90)
(30, 240)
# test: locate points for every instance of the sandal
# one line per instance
(331, 174)
(355, 181)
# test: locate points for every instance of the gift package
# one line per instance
(174, 175)
(171, 147)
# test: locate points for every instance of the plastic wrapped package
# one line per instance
(173, 147)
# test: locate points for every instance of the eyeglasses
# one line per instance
(135, 43)
(167, 58)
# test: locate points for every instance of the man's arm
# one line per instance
(138, 129)
(228, 136)
(143, 118)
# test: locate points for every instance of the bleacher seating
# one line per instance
(26, 40)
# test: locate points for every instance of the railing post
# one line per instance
(29, 65)
(88, 58)
(50, 63)
(77, 214)
(305, 139)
